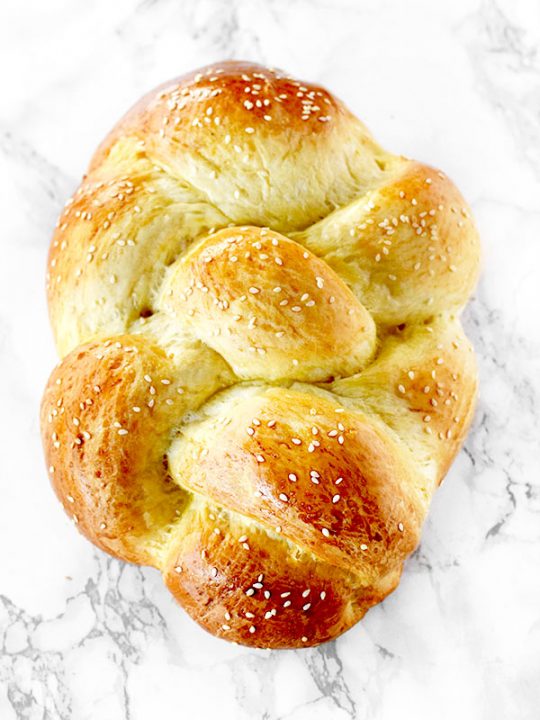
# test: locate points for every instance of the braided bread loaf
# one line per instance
(264, 377)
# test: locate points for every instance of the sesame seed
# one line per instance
(326, 532)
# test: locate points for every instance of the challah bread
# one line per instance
(264, 377)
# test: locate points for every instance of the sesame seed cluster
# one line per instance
(264, 376)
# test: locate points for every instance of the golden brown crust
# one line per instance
(232, 95)
(326, 479)
(264, 375)
(107, 418)
(409, 249)
(112, 245)
(244, 585)
(270, 307)
(423, 385)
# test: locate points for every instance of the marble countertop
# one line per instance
(453, 83)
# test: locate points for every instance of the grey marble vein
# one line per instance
(85, 637)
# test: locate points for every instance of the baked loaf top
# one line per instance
(264, 377)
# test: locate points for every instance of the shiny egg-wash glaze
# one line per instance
(264, 377)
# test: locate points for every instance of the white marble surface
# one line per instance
(454, 83)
